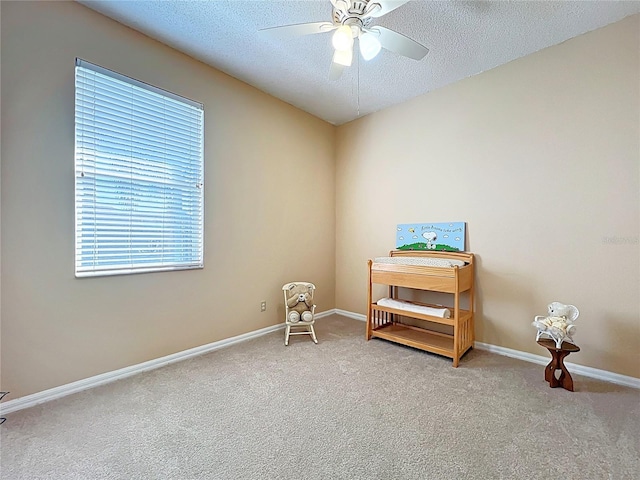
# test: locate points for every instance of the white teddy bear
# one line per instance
(558, 325)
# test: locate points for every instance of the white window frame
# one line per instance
(139, 176)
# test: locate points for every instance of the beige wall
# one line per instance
(57, 329)
(541, 158)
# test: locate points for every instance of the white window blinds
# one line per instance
(139, 176)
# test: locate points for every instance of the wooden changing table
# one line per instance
(385, 322)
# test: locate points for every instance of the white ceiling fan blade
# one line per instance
(398, 43)
(335, 71)
(385, 7)
(299, 29)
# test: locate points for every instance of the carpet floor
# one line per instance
(342, 409)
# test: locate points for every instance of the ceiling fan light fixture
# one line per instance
(342, 39)
(343, 57)
(351, 19)
(369, 46)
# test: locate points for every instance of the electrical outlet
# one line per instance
(263, 306)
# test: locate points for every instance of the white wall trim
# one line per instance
(539, 359)
(108, 377)
(91, 382)
(326, 313)
(573, 367)
(355, 316)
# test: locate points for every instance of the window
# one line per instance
(139, 176)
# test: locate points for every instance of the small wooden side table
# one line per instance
(557, 363)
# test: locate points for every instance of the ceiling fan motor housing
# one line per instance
(354, 14)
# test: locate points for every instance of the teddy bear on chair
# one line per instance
(300, 310)
(299, 303)
(558, 325)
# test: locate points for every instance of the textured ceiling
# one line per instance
(464, 38)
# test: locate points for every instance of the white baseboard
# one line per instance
(91, 382)
(539, 359)
(574, 367)
(326, 313)
(108, 377)
(355, 316)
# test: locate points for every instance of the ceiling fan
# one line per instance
(353, 19)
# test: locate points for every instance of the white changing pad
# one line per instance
(422, 261)
(412, 307)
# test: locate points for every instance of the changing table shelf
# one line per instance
(464, 314)
(440, 343)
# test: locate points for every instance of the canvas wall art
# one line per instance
(448, 236)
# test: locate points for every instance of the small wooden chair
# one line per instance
(303, 327)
